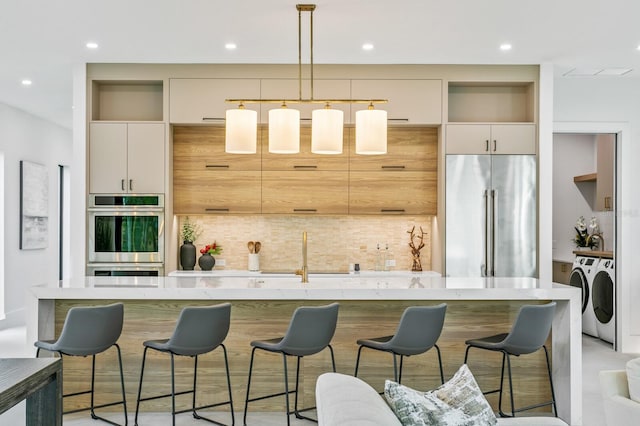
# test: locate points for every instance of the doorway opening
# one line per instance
(64, 189)
(584, 223)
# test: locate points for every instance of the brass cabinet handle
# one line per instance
(122, 184)
(304, 167)
(406, 120)
(217, 166)
(495, 145)
(305, 210)
(130, 184)
(391, 210)
(213, 209)
(486, 147)
(212, 119)
(392, 167)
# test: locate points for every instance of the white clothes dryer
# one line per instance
(603, 300)
(582, 274)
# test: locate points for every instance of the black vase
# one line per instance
(207, 262)
(187, 256)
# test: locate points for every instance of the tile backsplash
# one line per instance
(333, 242)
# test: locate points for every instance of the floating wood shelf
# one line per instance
(591, 177)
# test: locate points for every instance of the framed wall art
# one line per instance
(34, 206)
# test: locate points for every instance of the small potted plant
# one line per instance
(207, 261)
(189, 233)
(582, 238)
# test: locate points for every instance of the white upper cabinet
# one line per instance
(202, 100)
(290, 89)
(491, 139)
(410, 101)
(126, 158)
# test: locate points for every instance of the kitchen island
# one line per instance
(370, 305)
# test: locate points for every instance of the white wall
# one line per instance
(609, 105)
(26, 137)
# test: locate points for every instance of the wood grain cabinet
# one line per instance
(208, 180)
(126, 158)
(305, 183)
(409, 101)
(304, 160)
(404, 181)
(305, 192)
(494, 139)
(202, 100)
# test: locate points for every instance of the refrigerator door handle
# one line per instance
(493, 232)
(486, 233)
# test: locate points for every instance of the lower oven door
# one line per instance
(131, 236)
(125, 270)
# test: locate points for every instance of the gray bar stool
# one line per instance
(199, 330)
(90, 330)
(528, 334)
(310, 331)
(418, 331)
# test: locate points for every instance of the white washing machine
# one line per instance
(603, 300)
(582, 274)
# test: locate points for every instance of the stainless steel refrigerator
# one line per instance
(491, 216)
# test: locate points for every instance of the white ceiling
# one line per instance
(42, 40)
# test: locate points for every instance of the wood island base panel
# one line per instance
(366, 310)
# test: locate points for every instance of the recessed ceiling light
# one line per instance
(505, 46)
(92, 45)
(367, 46)
(26, 82)
(230, 46)
(638, 47)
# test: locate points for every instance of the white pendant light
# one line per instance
(284, 130)
(371, 131)
(327, 131)
(241, 131)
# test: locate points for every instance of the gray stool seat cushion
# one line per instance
(87, 330)
(310, 330)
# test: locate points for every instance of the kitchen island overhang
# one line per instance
(368, 303)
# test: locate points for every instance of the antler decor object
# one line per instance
(415, 250)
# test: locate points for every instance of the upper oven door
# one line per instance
(126, 235)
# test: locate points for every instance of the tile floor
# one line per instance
(596, 355)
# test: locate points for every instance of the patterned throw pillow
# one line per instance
(414, 408)
(458, 402)
(462, 391)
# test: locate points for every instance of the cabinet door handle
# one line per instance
(212, 119)
(391, 210)
(122, 184)
(486, 148)
(607, 203)
(130, 184)
(404, 120)
(217, 166)
(305, 210)
(216, 210)
(495, 145)
(305, 167)
(392, 167)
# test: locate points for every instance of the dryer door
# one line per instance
(578, 279)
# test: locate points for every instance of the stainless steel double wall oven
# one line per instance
(126, 235)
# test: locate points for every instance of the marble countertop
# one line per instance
(356, 286)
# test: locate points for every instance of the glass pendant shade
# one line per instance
(241, 131)
(371, 132)
(284, 131)
(327, 131)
